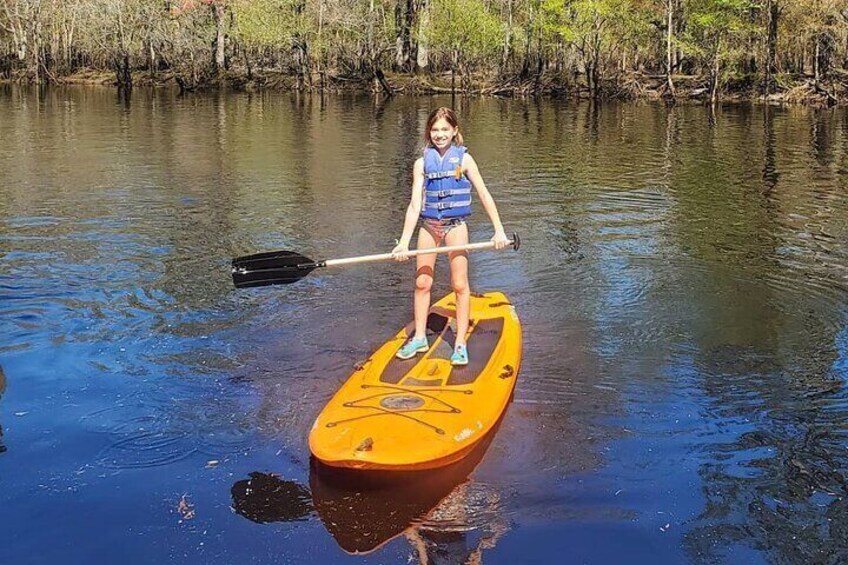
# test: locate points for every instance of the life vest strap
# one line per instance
(449, 192)
(447, 205)
(440, 174)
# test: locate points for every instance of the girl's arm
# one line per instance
(412, 211)
(473, 174)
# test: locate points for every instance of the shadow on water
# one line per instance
(265, 497)
(438, 510)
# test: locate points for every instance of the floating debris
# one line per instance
(185, 508)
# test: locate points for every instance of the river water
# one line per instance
(682, 286)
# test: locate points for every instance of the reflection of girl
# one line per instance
(441, 197)
(460, 528)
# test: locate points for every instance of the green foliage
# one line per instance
(463, 30)
(716, 29)
(617, 20)
(596, 32)
(600, 39)
(575, 20)
(267, 22)
(714, 18)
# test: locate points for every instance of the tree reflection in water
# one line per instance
(2, 390)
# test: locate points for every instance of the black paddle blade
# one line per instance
(270, 260)
(276, 267)
(266, 277)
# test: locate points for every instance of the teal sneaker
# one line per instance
(412, 348)
(460, 355)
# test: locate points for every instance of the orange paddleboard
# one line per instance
(423, 413)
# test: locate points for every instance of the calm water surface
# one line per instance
(682, 288)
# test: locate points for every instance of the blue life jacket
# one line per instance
(447, 191)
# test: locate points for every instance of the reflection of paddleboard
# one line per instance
(423, 413)
(363, 511)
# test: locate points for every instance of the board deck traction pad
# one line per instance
(402, 395)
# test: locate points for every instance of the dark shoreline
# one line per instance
(800, 91)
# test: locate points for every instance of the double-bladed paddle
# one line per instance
(284, 267)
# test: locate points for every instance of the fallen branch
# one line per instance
(381, 78)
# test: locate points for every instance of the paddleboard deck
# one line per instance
(424, 413)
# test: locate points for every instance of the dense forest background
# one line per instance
(777, 49)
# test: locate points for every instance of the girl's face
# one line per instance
(442, 134)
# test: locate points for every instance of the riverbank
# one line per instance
(801, 89)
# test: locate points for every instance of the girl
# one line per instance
(441, 197)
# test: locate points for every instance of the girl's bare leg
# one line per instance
(459, 280)
(424, 270)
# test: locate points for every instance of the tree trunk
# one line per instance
(507, 46)
(321, 65)
(69, 35)
(122, 59)
(422, 57)
(20, 41)
(593, 60)
(151, 60)
(405, 12)
(35, 53)
(715, 72)
(772, 13)
(194, 77)
(528, 43)
(824, 55)
(668, 47)
(401, 56)
(816, 72)
(123, 76)
(453, 73)
(219, 13)
(384, 84)
(369, 39)
(300, 47)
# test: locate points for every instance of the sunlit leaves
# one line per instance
(268, 22)
(463, 29)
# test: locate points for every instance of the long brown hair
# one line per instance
(450, 117)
